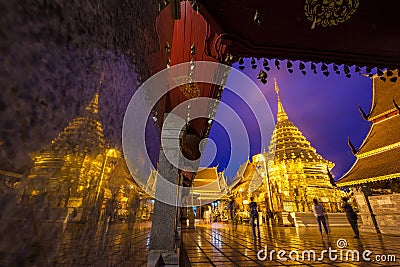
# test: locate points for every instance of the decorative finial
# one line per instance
(352, 147)
(281, 115)
(102, 77)
(93, 106)
(276, 86)
(100, 82)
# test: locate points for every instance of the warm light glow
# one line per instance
(113, 153)
(258, 158)
(75, 168)
(293, 172)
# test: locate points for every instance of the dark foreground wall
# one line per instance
(52, 54)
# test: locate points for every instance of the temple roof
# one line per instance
(381, 166)
(383, 95)
(381, 134)
(206, 176)
(288, 142)
(209, 185)
(216, 186)
(378, 155)
(243, 176)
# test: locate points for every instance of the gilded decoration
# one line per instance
(189, 89)
(329, 12)
(291, 173)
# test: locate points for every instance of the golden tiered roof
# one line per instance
(380, 136)
(378, 156)
(292, 173)
(76, 158)
(78, 169)
(244, 176)
(206, 176)
(83, 134)
(383, 95)
(288, 142)
(209, 185)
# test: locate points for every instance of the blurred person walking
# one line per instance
(254, 217)
(319, 210)
(233, 210)
(351, 216)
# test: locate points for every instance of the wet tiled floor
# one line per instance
(115, 245)
(207, 245)
(219, 245)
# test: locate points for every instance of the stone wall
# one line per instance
(387, 211)
(363, 212)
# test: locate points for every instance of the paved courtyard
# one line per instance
(123, 244)
(80, 244)
(114, 245)
(219, 245)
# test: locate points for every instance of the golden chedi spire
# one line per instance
(281, 112)
(93, 106)
(84, 133)
(288, 142)
(73, 159)
(297, 173)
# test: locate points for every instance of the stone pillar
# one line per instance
(165, 236)
(365, 211)
(190, 214)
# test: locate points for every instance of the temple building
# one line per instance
(245, 182)
(374, 177)
(291, 174)
(77, 169)
(244, 185)
(209, 185)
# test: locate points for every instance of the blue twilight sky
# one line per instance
(324, 108)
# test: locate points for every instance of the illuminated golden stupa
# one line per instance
(292, 172)
(72, 170)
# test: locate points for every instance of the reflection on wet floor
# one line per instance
(219, 245)
(110, 245)
(127, 244)
(81, 244)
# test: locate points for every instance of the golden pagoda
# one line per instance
(292, 172)
(374, 177)
(72, 170)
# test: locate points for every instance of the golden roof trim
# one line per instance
(382, 114)
(378, 150)
(368, 180)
